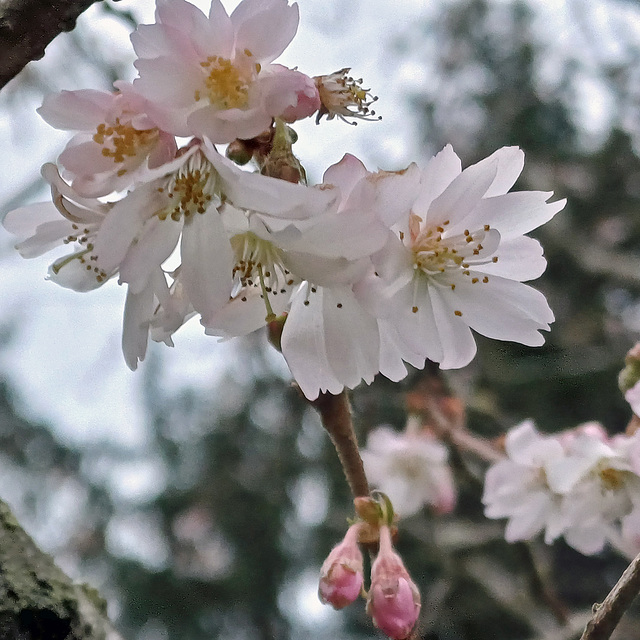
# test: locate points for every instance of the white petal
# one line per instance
(501, 308)
(69, 272)
(207, 262)
(454, 335)
(155, 244)
(138, 310)
(514, 214)
(351, 337)
(460, 198)
(510, 164)
(47, 236)
(24, 221)
(303, 346)
(439, 173)
(520, 258)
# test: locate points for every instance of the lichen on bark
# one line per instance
(37, 600)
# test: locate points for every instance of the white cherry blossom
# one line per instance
(411, 468)
(457, 258)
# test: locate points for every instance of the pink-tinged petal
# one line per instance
(47, 236)
(303, 346)
(85, 158)
(221, 22)
(528, 447)
(390, 195)
(138, 310)
(351, 337)
(345, 174)
(510, 165)
(155, 244)
(81, 110)
(325, 271)
(460, 198)
(514, 214)
(159, 40)
(519, 258)
(501, 309)
(164, 151)
(439, 173)
(454, 335)
(170, 82)
(222, 126)
(265, 27)
(207, 262)
(307, 97)
(204, 37)
(24, 221)
(280, 91)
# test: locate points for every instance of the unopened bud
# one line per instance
(630, 375)
(394, 599)
(341, 576)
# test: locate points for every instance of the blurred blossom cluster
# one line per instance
(580, 484)
(370, 270)
(411, 468)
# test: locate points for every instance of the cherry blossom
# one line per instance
(457, 258)
(117, 143)
(411, 468)
(211, 75)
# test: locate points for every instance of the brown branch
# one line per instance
(335, 412)
(28, 26)
(607, 615)
(37, 600)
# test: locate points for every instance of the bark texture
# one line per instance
(37, 600)
(28, 26)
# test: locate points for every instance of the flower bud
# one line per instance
(394, 599)
(341, 575)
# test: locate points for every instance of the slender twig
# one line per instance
(335, 412)
(607, 615)
(28, 26)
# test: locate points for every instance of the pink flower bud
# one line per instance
(341, 575)
(394, 600)
(307, 96)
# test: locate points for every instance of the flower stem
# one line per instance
(607, 615)
(335, 412)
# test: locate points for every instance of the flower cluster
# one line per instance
(393, 601)
(411, 468)
(580, 484)
(372, 270)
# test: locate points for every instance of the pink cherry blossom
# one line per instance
(117, 143)
(211, 76)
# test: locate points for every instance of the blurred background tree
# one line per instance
(216, 524)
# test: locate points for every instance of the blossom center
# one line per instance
(436, 252)
(190, 189)
(344, 97)
(121, 141)
(612, 479)
(227, 83)
(259, 263)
